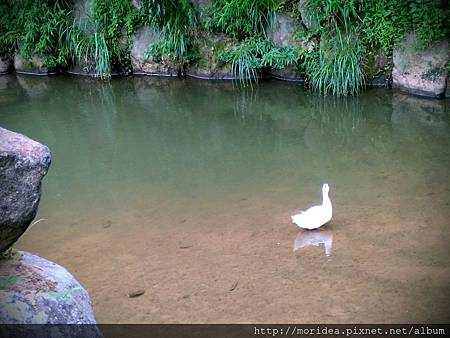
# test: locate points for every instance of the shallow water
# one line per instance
(184, 188)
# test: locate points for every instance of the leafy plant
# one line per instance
(336, 67)
(246, 23)
(35, 28)
(242, 19)
(175, 20)
(244, 59)
(383, 24)
(386, 21)
(334, 13)
(428, 18)
(7, 29)
(89, 49)
(114, 23)
(46, 28)
(253, 54)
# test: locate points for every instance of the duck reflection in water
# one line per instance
(314, 238)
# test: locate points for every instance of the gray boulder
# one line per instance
(308, 18)
(377, 68)
(34, 290)
(23, 163)
(137, 4)
(33, 66)
(140, 64)
(208, 65)
(5, 65)
(82, 12)
(201, 6)
(289, 73)
(83, 19)
(284, 32)
(420, 72)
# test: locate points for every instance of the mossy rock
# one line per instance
(308, 18)
(290, 73)
(420, 71)
(82, 68)
(377, 68)
(36, 291)
(208, 65)
(5, 65)
(34, 66)
(201, 6)
(142, 65)
(23, 164)
(286, 30)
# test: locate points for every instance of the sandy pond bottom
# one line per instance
(237, 264)
(184, 189)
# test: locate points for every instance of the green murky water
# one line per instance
(184, 188)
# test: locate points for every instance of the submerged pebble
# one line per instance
(136, 293)
(186, 246)
(233, 287)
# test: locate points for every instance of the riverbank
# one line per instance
(338, 51)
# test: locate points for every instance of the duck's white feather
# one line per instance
(315, 216)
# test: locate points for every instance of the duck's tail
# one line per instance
(296, 216)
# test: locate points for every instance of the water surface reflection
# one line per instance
(314, 238)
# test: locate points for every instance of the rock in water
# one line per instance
(142, 38)
(137, 293)
(34, 290)
(420, 71)
(23, 163)
(34, 66)
(286, 31)
(5, 65)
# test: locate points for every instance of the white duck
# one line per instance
(317, 215)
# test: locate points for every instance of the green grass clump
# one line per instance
(246, 22)
(35, 28)
(114, 22)
(348, 29)
(89, 49)
(337, 67)
(47, 29)
(176, 21)
(254, 54)
(241, 19)
(386, 21)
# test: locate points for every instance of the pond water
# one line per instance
(184, 188)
